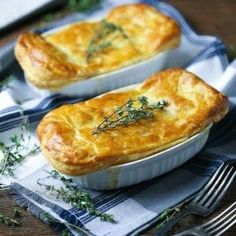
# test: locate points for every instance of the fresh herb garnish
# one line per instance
(16, 212)
(132, 111)
(82, 5)
(232, 51)
(2, 186)
(50, 220)
(17, 150)
(4, 84)
(168, 214)
(98, 42)
(48, 17)
(70, 193)
(70, 6)
(11, 221)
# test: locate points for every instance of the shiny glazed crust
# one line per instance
(58, 59)
(66, 138)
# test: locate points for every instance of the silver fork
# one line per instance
(215, 227)
(207, 200)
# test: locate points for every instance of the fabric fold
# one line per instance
(142, 204)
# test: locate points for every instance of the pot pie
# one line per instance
(71, 142)
(127, 35)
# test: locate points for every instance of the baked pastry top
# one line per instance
(68, 140)
(128, 34)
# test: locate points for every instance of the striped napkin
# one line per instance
(138, 207)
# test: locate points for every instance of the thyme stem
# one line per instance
(70, 193)
(169, 214)
(49, 219)
(12, 153)
(11, 221)
(4, 84)
(98, 42)
(132, 111)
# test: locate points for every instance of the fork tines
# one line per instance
(222, 222)
(216, 187)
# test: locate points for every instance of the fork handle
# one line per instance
(176, 218)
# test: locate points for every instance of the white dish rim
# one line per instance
(155, 155)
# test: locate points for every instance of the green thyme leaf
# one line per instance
(12, 152)
(99, 43)
(132, 111)
(16, 212)
(50, 220)
(5, 220)
(168, 214)
(48, 17)
(71, 194)
(232, 51)
(4, 84)
(82, 5)
(11, 221)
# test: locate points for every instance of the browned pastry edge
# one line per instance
(43, 64)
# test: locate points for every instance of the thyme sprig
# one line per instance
(168, 214)
(4, 84)
(70, 193)
(11, 221)
(98, 42)
(17, 151)
(132, 111)
(16, 212)
(50, 220)
(232, 51)
(82, 5)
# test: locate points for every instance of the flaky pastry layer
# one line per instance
(66, 133)
(60, 58)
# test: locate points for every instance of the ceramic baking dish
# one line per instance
(137, 171)
(152, 166)
(132, 74)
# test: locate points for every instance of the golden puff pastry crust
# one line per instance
(66, 133)
(60, 58)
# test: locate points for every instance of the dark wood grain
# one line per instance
(211, 17)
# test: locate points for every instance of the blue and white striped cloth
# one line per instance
(134, 208)
(193, 49)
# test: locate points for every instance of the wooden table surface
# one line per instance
(212, 17)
